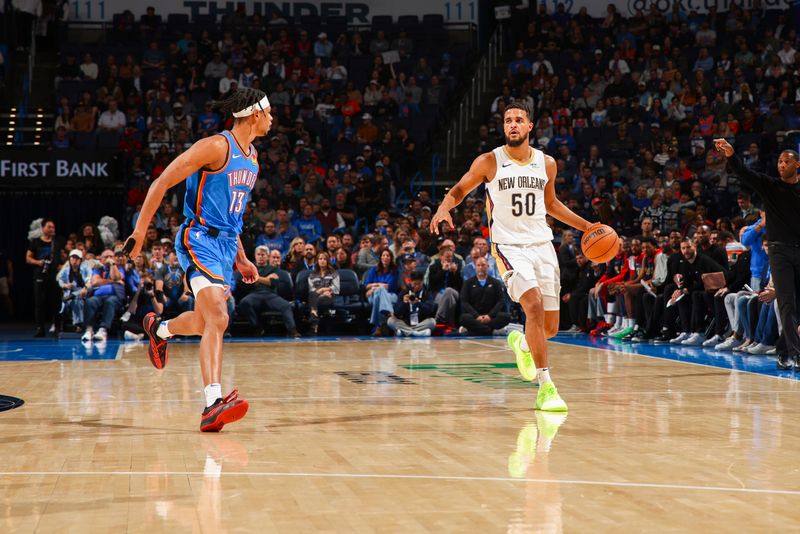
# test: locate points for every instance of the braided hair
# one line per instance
(239, 100)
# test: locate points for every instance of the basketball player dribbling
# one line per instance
(221, 171)
(520, 191)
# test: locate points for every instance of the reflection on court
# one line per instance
(428, 435)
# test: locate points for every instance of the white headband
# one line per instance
(261, 105)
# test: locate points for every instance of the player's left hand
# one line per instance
(248, 271)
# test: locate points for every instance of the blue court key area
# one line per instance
(762, 365)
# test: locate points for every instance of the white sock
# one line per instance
(618, 322)
(163, 330)
(543, 375)
(628, 323)
(524, 345)
(609, 318)
(213, 392)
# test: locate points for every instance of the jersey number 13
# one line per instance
(237, 200)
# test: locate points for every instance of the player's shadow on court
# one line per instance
(391, 415)
(132, 430)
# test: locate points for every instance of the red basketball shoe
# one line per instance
(157, 351)
(602, 328)
(222, 412)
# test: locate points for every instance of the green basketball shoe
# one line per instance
(524, 359)
(548, 400)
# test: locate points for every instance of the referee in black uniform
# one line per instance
(781, 200)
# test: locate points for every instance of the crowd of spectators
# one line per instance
(349, 104)
(399, 280)
(627, 107)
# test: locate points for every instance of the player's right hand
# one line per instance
(723, 146)
(440, 217)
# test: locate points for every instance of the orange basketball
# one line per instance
(600, 243)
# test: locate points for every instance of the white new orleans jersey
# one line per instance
(515, 200)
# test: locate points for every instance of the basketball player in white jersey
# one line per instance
(520, 191)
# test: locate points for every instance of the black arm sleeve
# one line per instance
(754, 180)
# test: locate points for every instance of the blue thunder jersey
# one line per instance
(217, 198)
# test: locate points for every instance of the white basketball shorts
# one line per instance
(524, 267)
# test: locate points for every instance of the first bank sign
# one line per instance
(54, 168)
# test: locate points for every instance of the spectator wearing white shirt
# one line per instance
(227, 82)
(112, 119)
(372, 94)
(336, 73)
(787, 53)
(216, 68)
(618, 64)
(89, 68)
(542, 62)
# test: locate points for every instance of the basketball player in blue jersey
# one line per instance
(221, 170)
(520, 191)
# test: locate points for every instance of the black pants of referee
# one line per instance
(784, 260)
(46, 301)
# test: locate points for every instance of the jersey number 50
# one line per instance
(529, 206)
(237, 200)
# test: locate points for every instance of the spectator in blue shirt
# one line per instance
(469, 268)
(753, 237)
(408, 107)
(380, 284)
(270, 238)
(704, 61)
(624, 35)
(108, 282)
(209, 121)
(520, 64)
(169, 281)
(308, 225)
(323, 47)
(61, 139)
(286, 230)
(562, 138)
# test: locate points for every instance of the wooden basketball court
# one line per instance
(397, 436)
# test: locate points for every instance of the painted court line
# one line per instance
(197, 400)
(566, 482)
(495, 346)
(449, 396)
